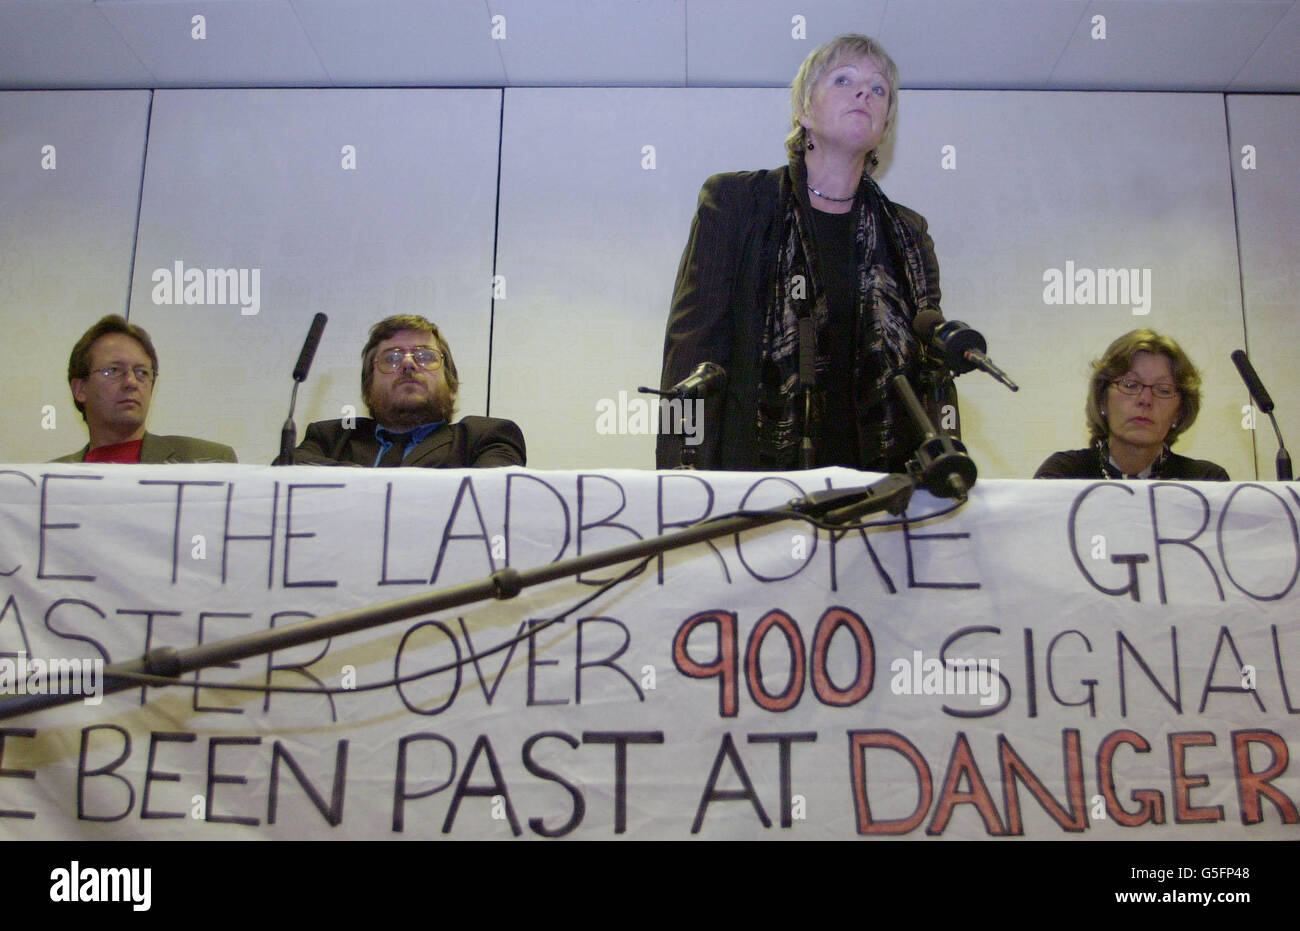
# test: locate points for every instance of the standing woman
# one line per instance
(814, 240)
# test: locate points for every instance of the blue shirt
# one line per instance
(412, 438)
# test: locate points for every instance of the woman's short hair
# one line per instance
(393, 325)
(1118, 361)
(815, 66)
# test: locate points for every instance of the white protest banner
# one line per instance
(1050, 660)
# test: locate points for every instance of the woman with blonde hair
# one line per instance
(808, 260)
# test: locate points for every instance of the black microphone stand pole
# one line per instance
(1283, 460)
(289, 432)
(891, 493)
(1264, 401)
(941, 465)
(807, 382)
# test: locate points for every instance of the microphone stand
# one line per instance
(1259, 394)
(686, 458)
(940, 464)
(892, 493)
(939, 391)
(288, 433)
(807, 380)
(1283, 461)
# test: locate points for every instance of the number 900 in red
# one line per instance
(726, 664)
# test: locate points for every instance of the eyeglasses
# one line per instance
(1131, 386)
(143, 375)
(428, 359)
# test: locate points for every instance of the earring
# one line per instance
(873, 158)
(810, 145)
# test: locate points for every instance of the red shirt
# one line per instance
(128, 452)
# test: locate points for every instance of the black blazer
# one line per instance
(1083, 463)
(469, 442)
(727, 266)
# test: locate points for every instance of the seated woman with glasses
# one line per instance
(1143, 395)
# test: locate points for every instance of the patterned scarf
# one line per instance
(1110, 470)
(884, 344)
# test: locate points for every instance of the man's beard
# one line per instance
(407, 414)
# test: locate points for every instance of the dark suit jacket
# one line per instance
(168, 449)
(728, 265)
(1083, 463)
(470, 441)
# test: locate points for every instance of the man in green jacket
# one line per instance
(112, 372)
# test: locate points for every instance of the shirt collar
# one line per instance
(410, 437)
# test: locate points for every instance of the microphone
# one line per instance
(807, 379)
(289, 432)
(705, 379)
(961, 348)
(1253, 384)
(309, 348)
(1265, 403)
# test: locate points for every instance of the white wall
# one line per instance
(66, 235)
(587, 241)
(1268, 208)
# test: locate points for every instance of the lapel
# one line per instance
(359, 445)
(157, 449)
(436, 449)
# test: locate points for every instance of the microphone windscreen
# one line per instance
(309, 347)
(1260, 396)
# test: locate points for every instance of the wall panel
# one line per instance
(592, 224)
(1065, 181)
(65, 246)
(590, 241)
(1013, 185)
(250, 179)
(1268, 217)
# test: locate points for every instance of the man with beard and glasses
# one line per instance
(409, 384)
